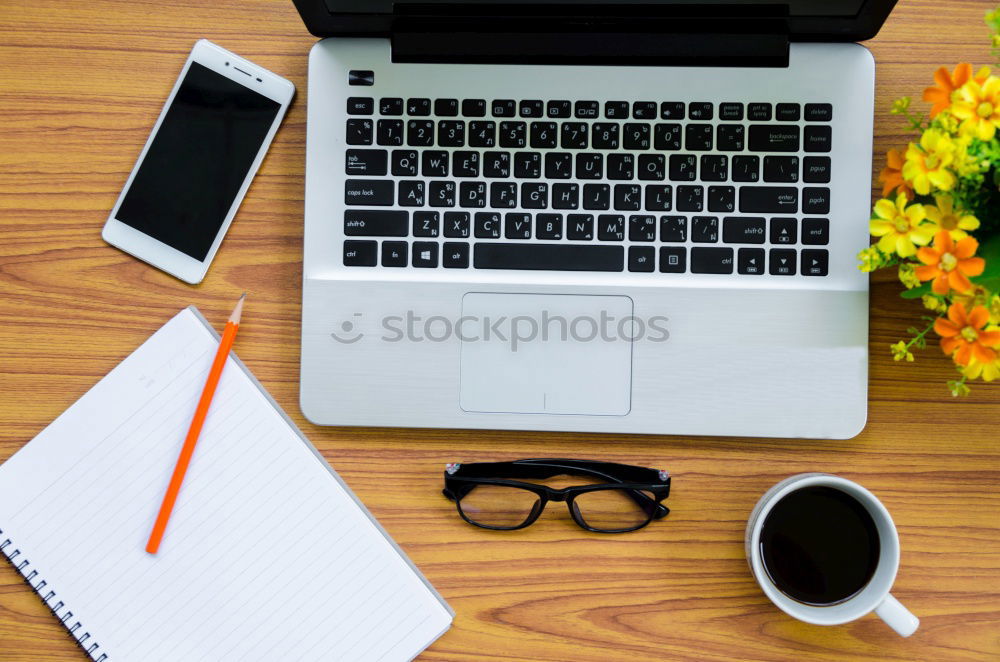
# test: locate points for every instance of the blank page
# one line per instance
(268, 555)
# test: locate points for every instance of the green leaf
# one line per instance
(916, 292)
(989, 250)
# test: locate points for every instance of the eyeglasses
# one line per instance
(486, 497)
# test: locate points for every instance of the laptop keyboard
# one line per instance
(667, 187)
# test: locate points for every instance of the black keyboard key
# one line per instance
(465, 164)
(565, 196)
(731, 112)
(788, 112)
(642, 228)
(652, 167)
(750, 261)
(549, 257)
(434, 163)
(503, 195)
(636, 136)
(580, 227)
(722, 199)
(711, 260)
(404, 162)
(451, 133)
(714, 168)
(482, 134)
(441, 194)
(782, 262)
(360, 253)
(673, 259)
(503, 108)
(359, 132)
(781, 169)
(672, 110)
(815, 262)
(667, 137)
(426, 223)
(704, 229)
(457, 224)
(394, 253)
(534, 196)
(784, 231)
(628, 197)
(558, 165)
(743, 230)
(366, 162)
(472, 194)
(589, 165)
(769, 199)
(690, 198)
(425, 254)
(513, 134)
(369, 192)
(774, 138)
(420, 133)
(621, 166)
(759, 112)
(616, 110)
(698, 137)
(611, 227)
(411, 193)
(543, 135)
(683, 167)
(659, 197)
(390, 106)
(446, 107)
(641, 259)
(699, 110)
(418, 107)
(558, 109)
(816, 170)
(817, 138)
(730, 138)
(673, 228)
(644, 110)
(819, 112)
(530, 108)
(390, 133)
(605, 135)
(586, 110)
(486, 225)
(746, 168)
(455, 255)
(517, 226)
(816, 231)
(548, 226)
(527, 165)
(596, 196)
(496, 164)
(360, 105)
(361, 77)
(815, 200)
(474, 107)
(376, 223)
(574, 135)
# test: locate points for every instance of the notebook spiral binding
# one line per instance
(30, 575)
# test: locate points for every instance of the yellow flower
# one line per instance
(933, 303)
(994, 308)
(901, 352)
(988, 371)
(965, 163)
(927, 164)
(871, 258)
(908, 276)
(899, 226)
(943, 214)
(978, 106)
(945, 85)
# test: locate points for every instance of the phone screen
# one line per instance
(197, 161)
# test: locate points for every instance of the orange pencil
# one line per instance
(174, 488)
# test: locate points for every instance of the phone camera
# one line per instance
(227, 64)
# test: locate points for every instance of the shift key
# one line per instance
(376, 223)
(769, 199)
(368, 192)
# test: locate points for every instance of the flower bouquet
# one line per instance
(938, 222)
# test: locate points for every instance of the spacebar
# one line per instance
(549, 257)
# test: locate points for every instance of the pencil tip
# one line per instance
(238, 310)
(243, 296)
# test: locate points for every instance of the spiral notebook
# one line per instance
(268, 555)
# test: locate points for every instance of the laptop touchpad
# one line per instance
(546, 353)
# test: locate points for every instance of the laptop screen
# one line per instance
(840, 8)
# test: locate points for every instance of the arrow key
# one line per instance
(750, 261)
(783, 231)
(783, 261)
(815, 262)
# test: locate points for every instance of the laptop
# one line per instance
(588, 216)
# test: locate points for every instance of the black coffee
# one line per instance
(819, 545)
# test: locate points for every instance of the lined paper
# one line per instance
(267, 555)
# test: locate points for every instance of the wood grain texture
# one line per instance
(80, 86)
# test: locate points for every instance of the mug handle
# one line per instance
(897, 616)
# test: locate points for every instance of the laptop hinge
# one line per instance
(735, 35)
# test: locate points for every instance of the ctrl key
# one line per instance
(360, 253)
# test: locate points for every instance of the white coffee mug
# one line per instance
(874, 596)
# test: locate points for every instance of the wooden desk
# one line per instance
(80, 86)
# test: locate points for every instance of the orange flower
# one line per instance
(892, 175)
(963, 337)
(940, 94)
(949, 263)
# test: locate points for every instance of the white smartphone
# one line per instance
(198, 162)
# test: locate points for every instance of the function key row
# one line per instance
(563, 108)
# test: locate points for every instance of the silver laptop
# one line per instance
(589, 216)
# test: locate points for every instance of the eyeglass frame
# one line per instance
(460, 479)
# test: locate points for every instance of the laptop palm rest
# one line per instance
(546, 354)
